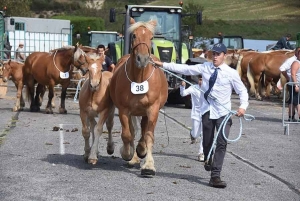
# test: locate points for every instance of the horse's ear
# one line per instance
(132, 21)
(9, 61)
(153, 22)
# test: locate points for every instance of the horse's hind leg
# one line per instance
(50, 97)
(136, 121)
(109, 125)
(19, 96)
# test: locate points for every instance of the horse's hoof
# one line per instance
(62, 111)
(15, 109)
(110, 149)
(147, 173)
(140, 155)
(92, 161)
(49, 111)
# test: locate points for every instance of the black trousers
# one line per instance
(209, 126)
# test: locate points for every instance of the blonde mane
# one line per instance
(136, 25)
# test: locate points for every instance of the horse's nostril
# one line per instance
(138, 58)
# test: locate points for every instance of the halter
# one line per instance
(127, 74)
(80, 63)
(141, 44)
(55, 64)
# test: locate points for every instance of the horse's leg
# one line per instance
(40, 90)
(86, 135)
(257, 87)
(109, 125)
(94, 127)
(148, 168)
(41, 95)
(50, 97)
(141, 147)
(19, 87)
(136, 122)
(127, 150)
(30, 92)
(62, 108)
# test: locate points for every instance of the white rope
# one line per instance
(78, 89)
(55, 64)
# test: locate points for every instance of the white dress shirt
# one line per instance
(194, 91)
(227, 80)
(286, 66)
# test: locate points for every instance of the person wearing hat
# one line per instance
(218, 80)
(20, 56)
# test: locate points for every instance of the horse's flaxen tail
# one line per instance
(238, 65)
(250, 77)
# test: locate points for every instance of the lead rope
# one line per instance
(78, 89)
(246, 117)
(55, 64)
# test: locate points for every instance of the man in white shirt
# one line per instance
(196, 115)
(20, 56)
(214, 110)
(285, 69)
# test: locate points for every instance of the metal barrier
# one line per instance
(287, 121)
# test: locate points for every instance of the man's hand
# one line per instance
(240, 112)
(183, 83)
(158, 63)
(296, 88)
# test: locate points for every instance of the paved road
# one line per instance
(38, 163)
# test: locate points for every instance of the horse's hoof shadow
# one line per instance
(147, 173)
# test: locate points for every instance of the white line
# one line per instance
(61, 140)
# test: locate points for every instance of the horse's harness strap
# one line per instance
(141, 44)
(56, 65)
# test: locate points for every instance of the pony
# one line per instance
(14, 69)
(94, 100)
(137, 89)
(49, 69)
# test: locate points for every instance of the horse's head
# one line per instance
(142, 34)
(6, 70)
(95, 70)
(80, 59)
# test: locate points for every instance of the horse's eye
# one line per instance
(151, 38)
(134, 36)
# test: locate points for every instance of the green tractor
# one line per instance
(298, 40)
(102, 37)
(167, 43)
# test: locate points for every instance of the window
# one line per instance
(19, 26)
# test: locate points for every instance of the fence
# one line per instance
(288, 117)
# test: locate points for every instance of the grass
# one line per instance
(256, 19)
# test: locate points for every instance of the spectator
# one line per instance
(295, 75)
(20, 56)
(285, 69)
(283, 43)
(196, 131)
(107, 65)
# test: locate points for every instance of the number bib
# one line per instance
(64, 75)
(139, 88)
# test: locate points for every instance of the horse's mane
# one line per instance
(94, 56)
(19, 62)
(68, 47)
(148, 25)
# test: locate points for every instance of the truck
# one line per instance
(167, 42)
(37, 34)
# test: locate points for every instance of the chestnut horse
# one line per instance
(137, 89)
(50, 69)
(14, 69)
(94, 100)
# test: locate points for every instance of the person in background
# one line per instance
(218, 81)
(285, 69)
(107, 65)
(295, 75)
(283, 43)
(20, 56)
(196, 115)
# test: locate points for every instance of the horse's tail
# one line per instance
(250, 77)
(238, 65)
(134, 124)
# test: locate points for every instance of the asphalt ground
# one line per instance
(38, 163)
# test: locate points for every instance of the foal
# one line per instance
(94, 100)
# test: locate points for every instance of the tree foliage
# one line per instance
(19, 8)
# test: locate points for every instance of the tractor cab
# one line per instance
(102, 37)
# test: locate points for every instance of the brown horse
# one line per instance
(139, 89)
(14, 69)
(94, 100)
(264, 69)
(49, 69)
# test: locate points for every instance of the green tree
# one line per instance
(18, 8)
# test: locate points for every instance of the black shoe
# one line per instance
(217, 182)
(207, 165)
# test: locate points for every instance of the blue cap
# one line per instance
(219, 47)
